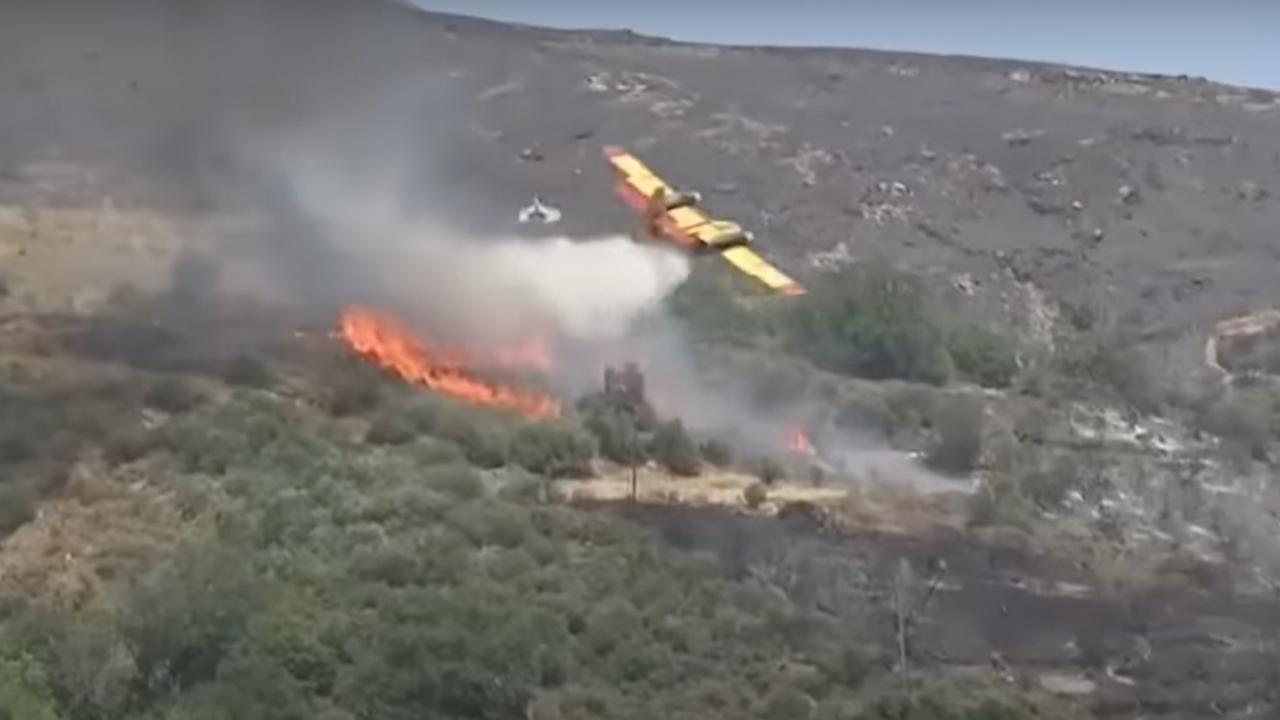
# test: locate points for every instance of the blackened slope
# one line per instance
(1156, 197)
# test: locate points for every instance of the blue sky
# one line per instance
(1233, 41)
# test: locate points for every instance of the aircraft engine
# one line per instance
(683, 199)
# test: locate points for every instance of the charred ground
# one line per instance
(1080, 181)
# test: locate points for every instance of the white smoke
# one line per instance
(478, 289)
(593, 289)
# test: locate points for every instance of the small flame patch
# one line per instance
(798, 442)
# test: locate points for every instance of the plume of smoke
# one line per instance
(593, 290)
(331, 125)
(477, 289)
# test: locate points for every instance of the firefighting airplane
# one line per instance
(675, 216)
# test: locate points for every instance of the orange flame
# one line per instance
(385, 341)
(798, 442)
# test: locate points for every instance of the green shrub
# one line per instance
(958, 423)
(521, 486)
(488, 523)
(390, 428)
(173, 395)
(484, 439)
(717, 452)
(187, 616)
(215, 441)
(708, 302)
(17, 443)
(755, 495)
(677, 452)
(554, 450)
(862, 412)
(434, 451)
(998, 503)
(788, 703)
(870, 322)
(18, 501)
(615, 428)
(458, 481)
(776, 382)
(426, 412)
(248, 371)
(1110, 361)
(1247, 420)
(392, 565)
(770, 471)
(25, 690)
(354, 395)
(1048, 489)
(127, 445)
(983, 356)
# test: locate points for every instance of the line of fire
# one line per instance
(669, 215)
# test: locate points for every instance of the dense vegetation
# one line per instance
(873, 322)
(324, 577)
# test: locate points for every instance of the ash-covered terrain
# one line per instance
(211, 507)
(1153, 197)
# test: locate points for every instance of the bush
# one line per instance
(770, 471)
(390, 428)
(998, 503)
(1048, 489)
(188, 615)
(458, 481)
(554, 450)
(173, 396)
(983, 356)
(1117, 365)
(755, 495)
(127, 445)
(788, 703)
(18, 442)
(484, 440)
(616, 428)
(974, 697)
(677, 452)
(25, 692)
(1245, 420)
(17, 505)
(870, 322)
(354, 396)
(958, 423)
(427, 412)
(862, 413)
(434, 451)
(717, 452)
(817, 475)
(248, 371)
(708, 303)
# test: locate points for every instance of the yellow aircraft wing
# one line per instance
(636, 174)
(746, 260)
(677, 217)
